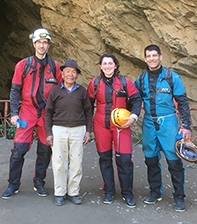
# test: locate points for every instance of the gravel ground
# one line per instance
(28, 208)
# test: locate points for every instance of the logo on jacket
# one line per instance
(164, 90)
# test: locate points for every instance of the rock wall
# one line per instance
(85, 29)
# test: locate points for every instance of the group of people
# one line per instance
(63, 113)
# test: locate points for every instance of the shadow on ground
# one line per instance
(28, 208)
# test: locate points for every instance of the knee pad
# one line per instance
(19, 150)
(125, 159)
(175, 164)
(17, 155)
(151, 161)
(105, 155)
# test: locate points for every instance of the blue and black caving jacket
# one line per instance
(158, 96)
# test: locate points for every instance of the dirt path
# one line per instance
(28, 208)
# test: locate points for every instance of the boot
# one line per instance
(179, 205)
(39, 187)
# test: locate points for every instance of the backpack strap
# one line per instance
(123, 82)
(96, 83)
(28, 62)
(124, 86)
(52, 67)
(141, 80)
(168, 77)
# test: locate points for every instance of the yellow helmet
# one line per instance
(186, 150)
(118, 115)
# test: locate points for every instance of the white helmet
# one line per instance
(38, 34)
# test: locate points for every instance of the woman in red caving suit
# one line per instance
(108, 94)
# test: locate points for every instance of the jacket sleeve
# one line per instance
(180, 96)
(16, 88)
(15, 95)
(134, 101)
(183, 108)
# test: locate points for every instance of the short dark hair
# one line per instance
(152, 47)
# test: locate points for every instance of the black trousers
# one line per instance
(17, 161)
(176, 170)
(125, 173)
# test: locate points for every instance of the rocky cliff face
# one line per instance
(85, 29)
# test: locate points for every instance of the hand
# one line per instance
(14, 119)
(130, 121)
(86, 138)
(50, 140)
(186, 134)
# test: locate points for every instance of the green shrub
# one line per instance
(11, 130)
(136, 137)
(1, 130)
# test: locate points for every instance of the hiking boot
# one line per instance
(179, 205)
(9, 193)
(75, 199)
(40, 189)
(59, 200)
(108, 199)
(152, 199)
(129, 202)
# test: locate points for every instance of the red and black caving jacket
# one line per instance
(34, 88)
(110, 94)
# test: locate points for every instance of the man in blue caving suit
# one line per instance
(160, 125)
